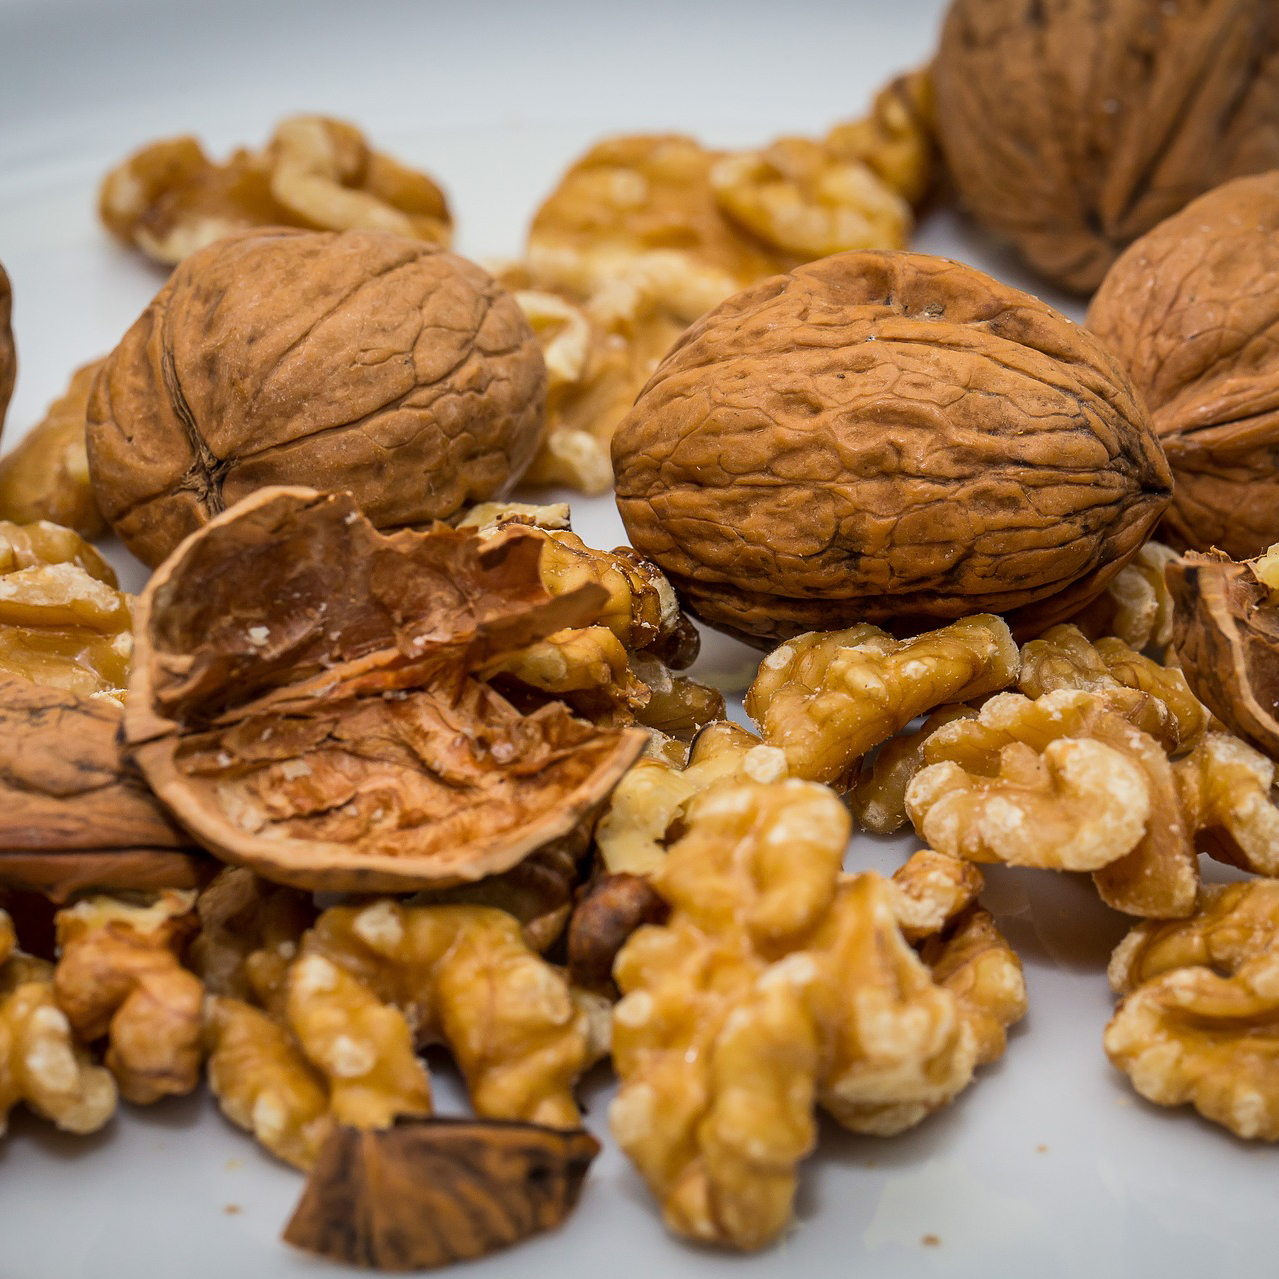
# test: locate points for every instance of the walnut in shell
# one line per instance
(887, 436)
(8, 355)
(305, 699)
(1074, 127)
(358, 361)
(1192, 311)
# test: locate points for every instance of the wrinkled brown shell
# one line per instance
(1074, 126)
(886, 437)
(1192, 311)
(8, 355)
(303, 699)
(1226, 633)
(357, 361)
(430, 1192)
(72, 817)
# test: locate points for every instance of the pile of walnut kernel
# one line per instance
(541, 843)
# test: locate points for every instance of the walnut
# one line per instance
(1064, 783)
(1136, 605)
(1074, 128)
(878, 799)
(373, 347)
(73, 818)
(825, 699)
(46, 477)
(1225, 788)
(425, 1194)
(41, 1063)
(859, 441)
(933, 889)
(1199, 1020)
(169, 199)
(776, 984)
(1226, 632)
(1153, 698)
(8, 355)
(1189, 310)
(612, 907)
(119, 976)
(305, 699)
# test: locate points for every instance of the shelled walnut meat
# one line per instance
(307, 698)
(1190, 309)
(1072, 128)
(887, 437)
(169, 199)
(358, 361)
(8, 355)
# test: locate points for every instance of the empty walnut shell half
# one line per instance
(1226, 632)
(305, 699)
(430, 1192)
(1074, 127)
(1192, 311)
(358, 361)
(8, 355)
(73, 818)
(891, 438)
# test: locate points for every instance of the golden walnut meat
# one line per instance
(1226, 794)
(1072, 128)
(308, 699)
(8, 355)
(886, 436)
(46, 477)
(826, 699)
(1190, 311)
(169, 199)
(378, 366)
(1136, 606)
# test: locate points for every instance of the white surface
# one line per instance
(1050, 1165)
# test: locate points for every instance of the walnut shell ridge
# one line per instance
(1192, 311)
(890, 438)
(355, 361)
(1074, 126)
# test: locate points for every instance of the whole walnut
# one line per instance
(354, 361)
(887, 437)
(1074, 126)
(1192, 311)
(8, 356)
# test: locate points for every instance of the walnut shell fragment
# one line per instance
(72, 817)
(357, 361)
(1226, 633)
(1190, 310)
(1074, 127)
(427, 1193)
(882, 437)
(306, 699)
(8, 355)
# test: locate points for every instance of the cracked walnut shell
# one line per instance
(169, 199)
(379, 366)
(307, 700)
(1074, 127)
(1190, 311)
(886, 437)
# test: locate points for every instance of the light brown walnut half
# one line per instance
(353, 361)
(41, 1063)
(8, 353)
(1072, 128)
(306, 699)
(119, 977)
(1227, 794)
(169, 199)
(1136, 605)
(887, 437)
(827, 698)
(1060, 782)
(46, 476)
(1190, 311)
(933, 889)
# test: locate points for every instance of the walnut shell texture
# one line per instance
(1226, 632)
(430, 1192)
(354, 361)
(1192, 311)
(1074, 126)
(8, 355)
(890, 438)
(306, 697)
